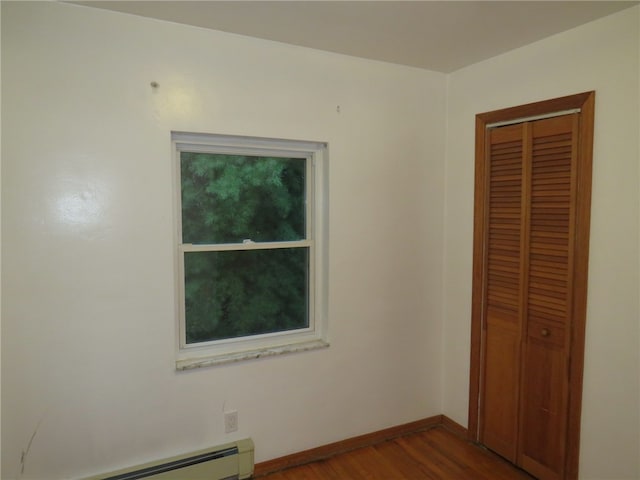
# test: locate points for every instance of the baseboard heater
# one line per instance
(232, 461)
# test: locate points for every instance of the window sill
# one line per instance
(190, 363)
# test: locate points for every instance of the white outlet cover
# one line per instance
(231, 421)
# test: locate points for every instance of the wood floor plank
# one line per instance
(462, 459)
(371, 459)
(434, 454)
(419, 448)
(324, 470)
(305, 472)
(405, 466)
(279, 475)
(482, 461)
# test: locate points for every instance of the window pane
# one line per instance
(231, 198)
(235, 293)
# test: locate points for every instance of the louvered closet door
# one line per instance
(528, 259)
(548, 296)
(503, 295)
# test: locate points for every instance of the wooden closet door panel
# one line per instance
(528, 314)
(500, 399)
(502, 297)
(548, 287)
(545, 409)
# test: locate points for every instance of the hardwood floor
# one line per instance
(436, 453)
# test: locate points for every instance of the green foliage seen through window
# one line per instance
(232, 199)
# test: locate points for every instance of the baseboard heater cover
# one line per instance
(231, 461)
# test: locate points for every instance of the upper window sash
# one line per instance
(255, 151)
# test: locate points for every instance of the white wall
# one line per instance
(601, 56)
(87, 274)
(87, 280)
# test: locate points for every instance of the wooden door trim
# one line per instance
(585, 102)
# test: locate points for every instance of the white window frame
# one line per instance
(203, 354)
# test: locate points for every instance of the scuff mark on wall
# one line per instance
(25, 452)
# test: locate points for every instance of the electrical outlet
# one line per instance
(231, 421)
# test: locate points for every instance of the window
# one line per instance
(251, 247)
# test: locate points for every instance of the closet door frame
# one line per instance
(585, 102)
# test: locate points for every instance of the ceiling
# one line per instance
(437, 35)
